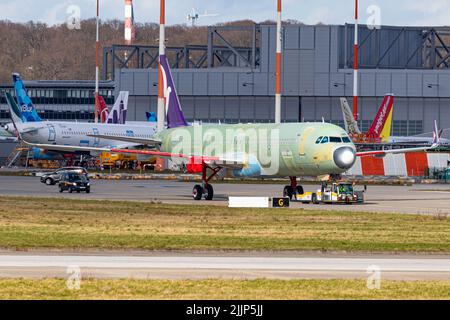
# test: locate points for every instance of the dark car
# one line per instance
(52, 178)
(73, 181)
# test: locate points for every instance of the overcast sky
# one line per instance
(399, 12)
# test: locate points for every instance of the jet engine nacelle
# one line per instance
(9, 128)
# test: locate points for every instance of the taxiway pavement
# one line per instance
(222, 266)
(417, 199)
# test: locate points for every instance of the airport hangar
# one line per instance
(231, 84)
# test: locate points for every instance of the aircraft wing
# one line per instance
(213, 161)
(383, 153)
(224, 162)
(8, 139)
(135, 140)
(63, 148)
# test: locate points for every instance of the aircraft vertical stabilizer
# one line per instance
(104, 111)
(351, 126)
(175, 117)
(27, 108)
(381, 126)
(118, 114)
(14, 110)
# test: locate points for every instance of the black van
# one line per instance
(73, 181)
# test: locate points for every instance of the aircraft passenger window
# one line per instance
(318, 140)
(325, 140)
(346, 140)
(335, 140)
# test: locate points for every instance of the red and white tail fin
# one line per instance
(104, 111)
(382, 124)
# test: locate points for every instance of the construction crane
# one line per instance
(194, 16)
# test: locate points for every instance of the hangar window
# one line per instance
(415, 127)
(400, 128)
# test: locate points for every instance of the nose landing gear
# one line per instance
(205, 190)
(293, 190)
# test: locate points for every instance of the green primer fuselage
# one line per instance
(291, 147)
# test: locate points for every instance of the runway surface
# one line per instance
(183, 266)
(417, 199)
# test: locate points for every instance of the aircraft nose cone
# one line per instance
(344, 157)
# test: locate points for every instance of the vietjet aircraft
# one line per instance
(380, 130)
(248, 150)
(67, 136)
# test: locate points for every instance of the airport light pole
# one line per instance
(278, 67)
(97, 63)
(355, 65)
(162, 52)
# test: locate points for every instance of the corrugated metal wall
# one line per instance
(314, 77)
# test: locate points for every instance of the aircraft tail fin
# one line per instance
(104, 111)
(16, 115)
(436, 134)
(151, 117)
(27, 108)
(118, 114)
(174, 112)
(382, 124)
(351, 126)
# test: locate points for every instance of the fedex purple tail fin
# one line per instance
(175, 116)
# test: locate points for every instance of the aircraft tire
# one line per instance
(300, 190)
(197, 192)
(209, 195)
(288, 192)
(314, 198)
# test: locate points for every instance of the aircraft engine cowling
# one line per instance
(252, 168)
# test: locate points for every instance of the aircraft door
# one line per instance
(96, 139)
(303, 139)
(51, 133)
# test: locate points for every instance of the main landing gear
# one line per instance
(205, 190)
(293, 190)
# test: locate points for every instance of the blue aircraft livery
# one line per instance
(29, 113)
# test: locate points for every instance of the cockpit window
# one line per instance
(335, 140)
(325, 140)
(318, 140)
(346, 140)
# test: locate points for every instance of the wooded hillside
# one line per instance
(40, 52)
